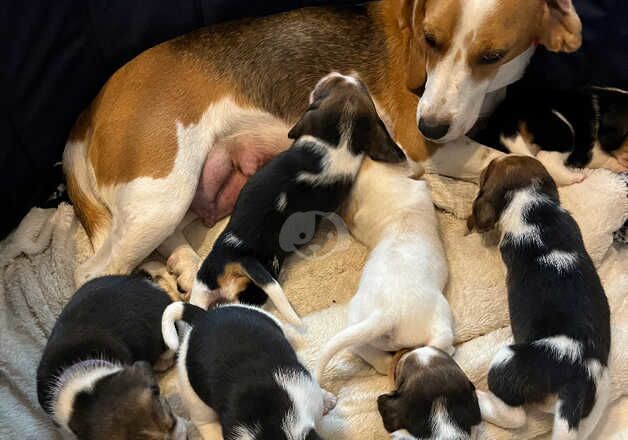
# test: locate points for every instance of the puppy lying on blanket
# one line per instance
(240, 378)
(95, 377)
(399, 302)
(314, 175)
(434, 398)
(587, 127)
(559, 313)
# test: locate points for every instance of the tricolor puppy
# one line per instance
(315, 174)
(399, 302)
(433, 398)
(183, 126)
(95, 377)
(240, 378)
(559, 314)
(585, 127)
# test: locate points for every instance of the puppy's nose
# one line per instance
(433, 130)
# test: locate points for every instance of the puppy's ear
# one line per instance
(319, 123)
(390, 408)
(377, 143)
(560, 28)
(497, 412)
(484, 215)
(303, 126)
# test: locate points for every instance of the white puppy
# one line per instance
(399, 302)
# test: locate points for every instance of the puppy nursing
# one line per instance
(399, 302)
(340, 126)
(240, 378)
(558, 309)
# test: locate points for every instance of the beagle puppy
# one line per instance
(405, 273)
(433, 398)
(559, 313)
(585, 127)
(239, 377)
(315, 174)
(95, 377)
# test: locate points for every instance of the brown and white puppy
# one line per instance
(182, 126)
(434, 398)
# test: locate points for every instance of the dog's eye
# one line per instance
(430, 40)
(491, 57)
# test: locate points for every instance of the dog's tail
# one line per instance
(92, 213)
(361, 332)
(527, 373)
(258, 274)
(177, 311)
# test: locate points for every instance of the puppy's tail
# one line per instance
(527, 373)
(359, 333)
(257, 273)
(177, 311)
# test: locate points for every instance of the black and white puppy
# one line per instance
(95, 377)
(559, 313)
(434, 398)
(239, 377)
(589, 125)
(315, 174)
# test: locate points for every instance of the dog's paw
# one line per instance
(554, 162)
(183, 264)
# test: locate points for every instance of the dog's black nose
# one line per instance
(433, 130)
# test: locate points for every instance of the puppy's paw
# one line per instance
(183, 264)
(554, 162)
(160, 276)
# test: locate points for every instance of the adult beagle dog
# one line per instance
(182, 126)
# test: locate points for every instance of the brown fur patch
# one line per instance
(133, 119)
(233, 280)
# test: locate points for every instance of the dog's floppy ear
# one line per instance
(322, 124)
(377, 143)
(410, 19)
(390, 408)
(560, 28)
(484, 215)
(495, 411)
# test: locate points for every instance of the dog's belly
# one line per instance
(227, 167)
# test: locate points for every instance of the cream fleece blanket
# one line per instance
(37, 262)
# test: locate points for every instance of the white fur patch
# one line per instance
(560, 260)
(245, 432)
(402, 434)
(200, 295)
(504, 355)
(232, 240)
(443, 427)
(79, 378)
(338, 162)
(282, 202)
(307, 403)
(512, 220)
(517, 145)
(562, 347)
(425, 354)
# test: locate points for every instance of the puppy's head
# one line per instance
(342, 113)
(433, 396)
(502, 176)
(124, 405)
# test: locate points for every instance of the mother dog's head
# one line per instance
(469, 48)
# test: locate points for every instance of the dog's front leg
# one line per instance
(462, 159)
